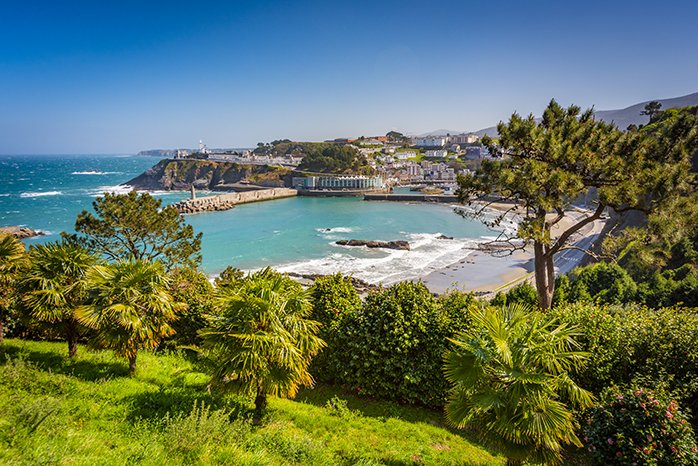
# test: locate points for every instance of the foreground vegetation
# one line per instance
(88, 410)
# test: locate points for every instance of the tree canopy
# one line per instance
(13, 261)
(135, 226)
(129, 307)
(511, 377)
(262, 340)
(542, 167)
(334, 158)
(55, 285)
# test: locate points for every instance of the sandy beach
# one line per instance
(484, 273)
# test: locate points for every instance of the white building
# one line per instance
(432, 141)
(436, 153)
(404, 155)
(470, 138)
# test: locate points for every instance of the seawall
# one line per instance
(230, 200)
(411, 197)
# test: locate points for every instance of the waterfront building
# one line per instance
(338, 182)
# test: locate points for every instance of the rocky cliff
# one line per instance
(172, 174)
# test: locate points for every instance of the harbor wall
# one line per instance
(230, 200)
(411, 198)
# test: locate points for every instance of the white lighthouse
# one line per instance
(202, 148)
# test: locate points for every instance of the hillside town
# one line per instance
(430, 162)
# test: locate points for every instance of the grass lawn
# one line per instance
(89, 411)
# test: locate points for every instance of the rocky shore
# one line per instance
(21, 232)
(399, 245)
(362, 287)
(181, 175)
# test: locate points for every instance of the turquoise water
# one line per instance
(295, 234)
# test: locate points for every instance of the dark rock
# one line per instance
(399, 245)
(444, 237)
(21, 232)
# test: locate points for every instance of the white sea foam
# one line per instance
(41, 194)
(427, 253)
(118, 189)
(94, 172)
(4, 195)
(335, 230)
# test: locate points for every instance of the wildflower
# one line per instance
(610, 441)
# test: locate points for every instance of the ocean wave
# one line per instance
(335, 230)
(41, 194)
(5, 195)
(117, 189)
(428, 253)
(94, 172)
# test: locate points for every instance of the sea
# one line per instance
(46, 192)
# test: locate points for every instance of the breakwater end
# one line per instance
(230, 200)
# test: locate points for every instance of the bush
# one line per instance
(393, 346)
(191, 287)
(633, 344)
(334, 297)
(639, 426)
(523, 293)
(603, 283)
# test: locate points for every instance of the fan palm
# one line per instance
(54, 286)
(129, 307)
(262, 340)
(510, 376)
(13, 260)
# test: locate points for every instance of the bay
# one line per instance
(293, 235)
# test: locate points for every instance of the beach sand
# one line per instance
(484, 273)
(480, 272)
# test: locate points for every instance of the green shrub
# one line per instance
(393, 346)
(634, 344)
(523, 293)
(639, 426)
(192, 288)
(334, 297)
(604, 283)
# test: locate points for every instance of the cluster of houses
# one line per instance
(418, 160)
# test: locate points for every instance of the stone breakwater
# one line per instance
(230, 200)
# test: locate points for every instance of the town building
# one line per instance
(436, 153)
(433, 141)
(342, 182)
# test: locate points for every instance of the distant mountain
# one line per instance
(439, 132)
(631, 115)
(626, 116)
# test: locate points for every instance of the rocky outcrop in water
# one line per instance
(21, 232)
(180, 175)
(399, 245)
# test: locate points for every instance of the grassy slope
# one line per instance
(89, 411)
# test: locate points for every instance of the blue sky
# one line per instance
(119, 77)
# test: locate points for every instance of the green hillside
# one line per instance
(89, 411)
